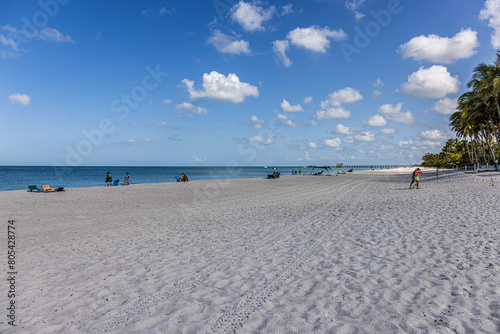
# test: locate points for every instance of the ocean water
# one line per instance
(19, 177)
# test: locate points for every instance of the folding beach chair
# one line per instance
(33, 189)
(115, 183)
(46, 189)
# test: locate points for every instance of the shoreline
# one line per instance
(396, 170)
(18, 178)
(307, 254)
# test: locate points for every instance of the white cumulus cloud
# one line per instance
(335, 142)
(434, 82)
(228, 44)
(312, 38)
(390, 109)
(268, 140)
(432, 135)
(21, 99)
(405, 143)
(218, 86)
(394, 113)
(445, 106)
(343, 130)
(333, 113)
(388, 130)
(286, 106)
(441, 49)
(345, 95)
(315, 38)
(366, 136)
(377, 120)
(491, 12)
(288, 121)
(191, 107)
(251, 16)
(257, 122)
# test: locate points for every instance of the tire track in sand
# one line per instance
(308, 189)
(230, 322)
(192, 281)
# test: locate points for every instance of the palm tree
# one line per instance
(465, 120)
(464, 130)
(486, 81)
(478, 113)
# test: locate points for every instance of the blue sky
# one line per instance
(221, 82)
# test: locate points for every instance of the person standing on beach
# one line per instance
(126, 179)
(109, 179)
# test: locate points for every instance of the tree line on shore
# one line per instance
(476, 122)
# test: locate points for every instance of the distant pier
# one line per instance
(368, 166)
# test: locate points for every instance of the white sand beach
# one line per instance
(354, 253)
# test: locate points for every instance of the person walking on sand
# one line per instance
(412, 178)
(416, 178)
(109, 179)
